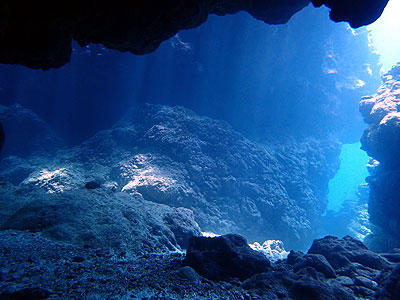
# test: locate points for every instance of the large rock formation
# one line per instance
(39, 35)
(174, 157)
(381, 140)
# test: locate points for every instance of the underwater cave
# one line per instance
(201, 149)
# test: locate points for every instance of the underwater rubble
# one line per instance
(34, 267)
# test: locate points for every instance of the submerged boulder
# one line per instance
(343, 252)
(318, 262)
(102, 219)
(224, 257)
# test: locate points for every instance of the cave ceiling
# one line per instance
(38, 34)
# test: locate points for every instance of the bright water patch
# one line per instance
(352, 172)
(384, 33)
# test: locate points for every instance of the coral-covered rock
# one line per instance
(273, 249)
(224, 257)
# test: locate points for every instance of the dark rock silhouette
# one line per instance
(224, 257)
(91, 185)
(356, 12)
(39, 35)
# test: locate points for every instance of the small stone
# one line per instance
(91, 185)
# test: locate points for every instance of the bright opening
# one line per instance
(385, 34)
(351, 174)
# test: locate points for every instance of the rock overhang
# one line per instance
(39, 34)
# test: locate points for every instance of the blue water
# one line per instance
(352, 172)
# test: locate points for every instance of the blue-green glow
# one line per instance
(352, 172)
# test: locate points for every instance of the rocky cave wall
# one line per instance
(381, 140)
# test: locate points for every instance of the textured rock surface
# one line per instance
(98, 219)
(70, 272)
(381, 140)
(224, 257)
(26, 133)
(39, 35)
(172, 156)
(341, 253)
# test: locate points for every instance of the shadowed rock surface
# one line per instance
(225, 257)
(39, 35)
(381, 140)
(99, 219)
(27, 134)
